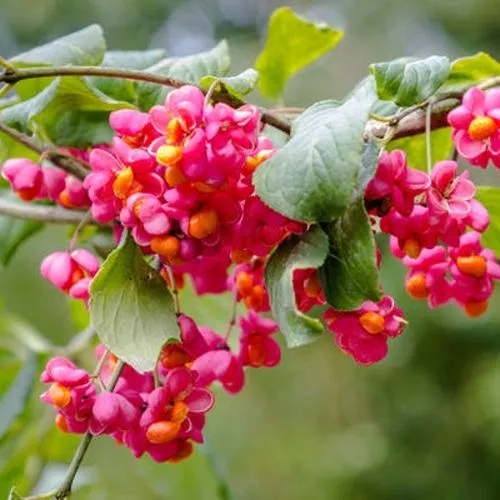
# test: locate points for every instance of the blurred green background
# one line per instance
(423, 424)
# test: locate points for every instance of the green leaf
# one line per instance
(293, 43)
(237, 86)
(189, 69)
(69, 112)
(13, 401)
(83, 47)
(297, 252)
(468, 70)
(13, 233)
(408, 81)
(415, 147)
(119, 88)
(313, 177)
(490, 197)
(349, 275)
(131, 307)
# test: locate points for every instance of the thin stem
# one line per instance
(64, 490)
(42, 496)
(395, 119)
(210, 91)
(5, 89)
(52, 71)
(56, 215)
(71, 165)
(129, 74)
(414, 123)
(100, 364)
(76, 234)
(288, 110)
(382, 119)
(8, 67)
(21, 138)
(489, 83)
(428, 138)
(175, 292)
(413, 127)
(232, 316)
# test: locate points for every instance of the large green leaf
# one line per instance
(349, 274)
(415, 147)
(297, 252)
(119, 88)
(14, 400)
(69, 112)
(84, 47)
(293, 43)
(131, 307)
(312, 178)
(468, 70)
(238, 85)
(189, 69)
(489, 196)
(408, 81)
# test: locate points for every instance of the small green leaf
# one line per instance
(312, 178)
(131, 307)
(69, 112)
(468, 70)
(119, 88)
(238, 85)
(13, 401)
(189, 69)
(83, 47)
(13, 233)
(408, 81)
(297, 252)
(415, 147)
(293, 43)
(349, 274)
(490, 197)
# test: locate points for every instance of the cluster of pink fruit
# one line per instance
(165, 420)
(179, 178)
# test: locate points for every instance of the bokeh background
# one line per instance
(423, 424)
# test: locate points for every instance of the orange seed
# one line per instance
(481, 128)
(372, 322)
(475, 265)
(416, 287)
(162, 432)
(60, 395)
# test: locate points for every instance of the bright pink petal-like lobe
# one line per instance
(364, 332)
(476, 126)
